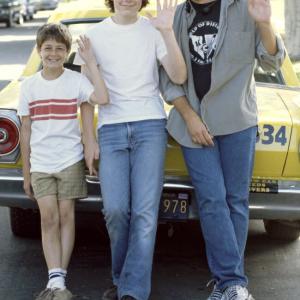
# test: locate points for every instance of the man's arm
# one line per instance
(100, 94)
(173, 62)
(268, 37)
(25, 151)
(197, 130)
(270, 50)
(260, 11)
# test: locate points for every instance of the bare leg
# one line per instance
(51, 239)
(67, 230)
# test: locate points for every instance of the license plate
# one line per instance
(174, 205)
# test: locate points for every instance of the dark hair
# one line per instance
(58, 32)
(110, 4)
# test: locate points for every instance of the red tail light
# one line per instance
(9, 136)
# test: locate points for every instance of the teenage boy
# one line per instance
(215, 120)
(52, 152)
(132, 135)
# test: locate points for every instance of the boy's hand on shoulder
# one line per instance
(165, 15)
(91, 153)
(85, 50)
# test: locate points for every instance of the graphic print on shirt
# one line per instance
(203, 37)
(53, 109)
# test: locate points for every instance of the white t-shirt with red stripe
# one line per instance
(52, 106)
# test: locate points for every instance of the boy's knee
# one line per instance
(49, 220)
(67, 217)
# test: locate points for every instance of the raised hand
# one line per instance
(165, 15)
(86, 51)
(260, 10)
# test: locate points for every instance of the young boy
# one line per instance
(132, 135)
(51, 146)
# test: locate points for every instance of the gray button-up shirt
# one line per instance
(230, 104)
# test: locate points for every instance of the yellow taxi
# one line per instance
(275, 187)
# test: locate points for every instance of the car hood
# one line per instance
(10, 95)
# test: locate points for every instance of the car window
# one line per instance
(268, 77)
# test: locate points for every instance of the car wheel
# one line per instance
(9, 22)
(282, 230)
(25, 222)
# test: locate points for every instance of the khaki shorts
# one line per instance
(67, 184)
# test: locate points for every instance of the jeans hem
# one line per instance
(227, 284)
(130, 293)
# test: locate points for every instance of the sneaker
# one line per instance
(216, 294)
(46, 294)
(111, 293)
(237, 292)
(64, 294)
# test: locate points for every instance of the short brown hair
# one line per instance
(58, 32)
(110, 4)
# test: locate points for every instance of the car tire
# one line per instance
(282, 230)
(25, 222)
(9, 22)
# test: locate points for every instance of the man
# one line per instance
(215, 120)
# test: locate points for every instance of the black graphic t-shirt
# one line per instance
(202, 42)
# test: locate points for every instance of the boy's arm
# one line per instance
(100, 94)
(25, 151)
(173, 62)
(91, 148)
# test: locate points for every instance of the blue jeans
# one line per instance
(131, 173)
(221, 176)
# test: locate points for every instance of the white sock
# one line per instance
(56, 279)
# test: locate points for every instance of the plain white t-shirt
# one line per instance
(128, 57)
(52, 106)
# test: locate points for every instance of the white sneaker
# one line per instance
(216, 294)
(237, 292)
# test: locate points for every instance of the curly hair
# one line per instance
(58, 32)
(110, 4)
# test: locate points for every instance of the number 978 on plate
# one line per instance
(174, 205)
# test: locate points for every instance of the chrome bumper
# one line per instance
(284, 203)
